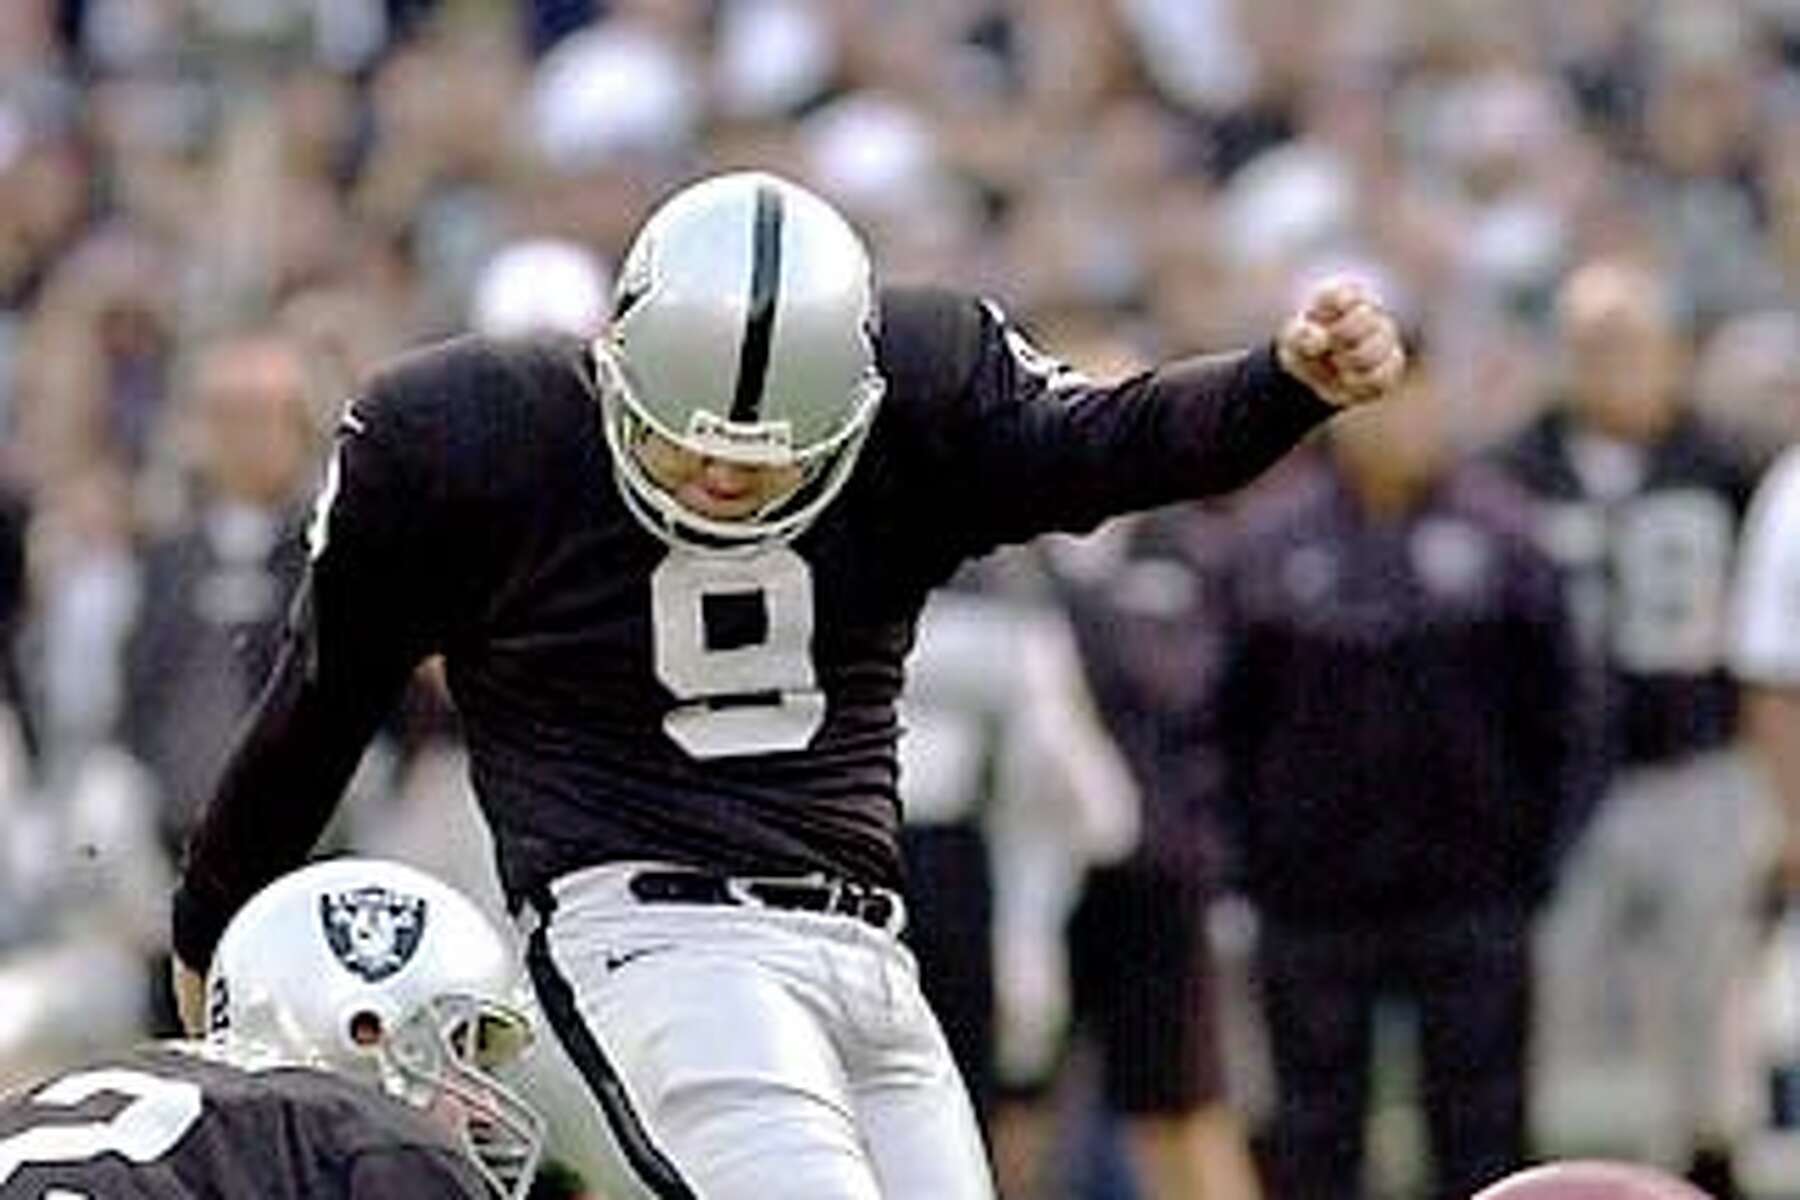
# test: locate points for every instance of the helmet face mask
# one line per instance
(378, 972)
(743, 331)
(440, 1060)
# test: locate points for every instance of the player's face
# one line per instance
(1622, 351)
(714, 487)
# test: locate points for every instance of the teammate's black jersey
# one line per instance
(625, 700)
(1649, 576)
(161, 1123)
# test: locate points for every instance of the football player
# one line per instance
(355, 1009)
(1640, 502)
(674, 573)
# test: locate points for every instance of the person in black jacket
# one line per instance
(1398, 710)
(674, 573)
(216, 589)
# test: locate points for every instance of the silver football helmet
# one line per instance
(376, 970)
(743, 328)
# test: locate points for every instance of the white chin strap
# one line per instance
(667, 518)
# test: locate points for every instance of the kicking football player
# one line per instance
(674, 574)
(354, 1011)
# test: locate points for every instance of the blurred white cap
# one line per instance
(1288, 203)
(608, 91)
(1506, 115)
(1193, 49)
(871, 152)
(1518, 243)
(540, 286)
(770, 56)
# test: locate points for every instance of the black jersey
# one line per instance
(1649, 576)
(164, 1124)
(626, 700)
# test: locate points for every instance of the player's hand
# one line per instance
(1343, 345)
(190, 996)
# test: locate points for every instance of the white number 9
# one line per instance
(757, 696)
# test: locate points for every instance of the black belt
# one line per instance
(871, 905)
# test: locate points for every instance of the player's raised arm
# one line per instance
(1022, 443)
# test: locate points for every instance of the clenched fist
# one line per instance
(1343, 344)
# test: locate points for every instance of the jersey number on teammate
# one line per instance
(160, 1113)
(734, 643)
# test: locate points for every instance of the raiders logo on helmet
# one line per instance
(372, 930)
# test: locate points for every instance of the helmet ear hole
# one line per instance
(366, 1028)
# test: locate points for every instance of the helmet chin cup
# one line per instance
(826, 470)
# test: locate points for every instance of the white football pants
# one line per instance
(1647, 946)
(747, 1053)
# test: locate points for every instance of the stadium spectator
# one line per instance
(217, 587)
(1398, 714)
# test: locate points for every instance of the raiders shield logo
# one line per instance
(372, 930)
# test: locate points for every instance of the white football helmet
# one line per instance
(743, 328)
(376, 970)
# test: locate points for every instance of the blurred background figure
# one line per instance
(1011, 789)
(1139, 601)
(1399, 716)
(1639, 502)
(1747, 382)
(218, 582)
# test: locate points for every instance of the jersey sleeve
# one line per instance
(1765, 645)
(371, 606)
(1018, 444)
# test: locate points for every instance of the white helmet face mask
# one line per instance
(743, 329)
(378, 971)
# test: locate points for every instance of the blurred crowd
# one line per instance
(215, 215)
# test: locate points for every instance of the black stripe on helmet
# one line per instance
(759, 326)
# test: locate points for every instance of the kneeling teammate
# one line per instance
(355, 1009)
